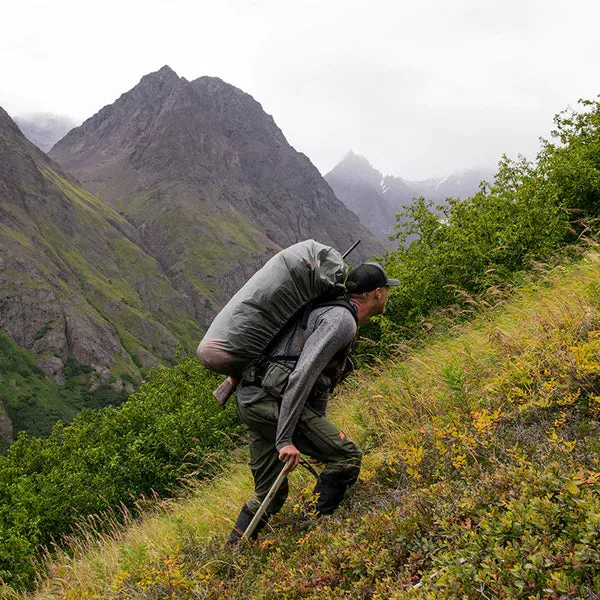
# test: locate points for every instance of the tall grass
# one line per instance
(481, 480)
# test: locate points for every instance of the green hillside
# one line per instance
(34, 402)
(481, 479)
(93, 309)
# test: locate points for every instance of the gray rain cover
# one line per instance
(243, 329)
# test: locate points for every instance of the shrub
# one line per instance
(171, 428)
(531, 210)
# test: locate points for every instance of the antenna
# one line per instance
(351, 248)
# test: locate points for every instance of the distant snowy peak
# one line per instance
(376, 198)
(443, 181)
(356, 168)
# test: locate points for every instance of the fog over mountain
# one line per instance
(376, 198)
(44, 129)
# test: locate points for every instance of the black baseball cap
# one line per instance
(368, 277)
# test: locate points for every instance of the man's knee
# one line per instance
(346, 470)
(343, 475)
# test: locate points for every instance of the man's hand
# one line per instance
(291, 455)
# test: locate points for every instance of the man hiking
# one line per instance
(282, 427)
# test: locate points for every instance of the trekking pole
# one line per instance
(356, 243)
(265, 503)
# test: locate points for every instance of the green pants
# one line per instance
(316, 437)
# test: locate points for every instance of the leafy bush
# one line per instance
(530, 210)
(485, 482)
(171, 428)
(73, 368)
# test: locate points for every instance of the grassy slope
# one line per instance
(109, 272)
(32, 400)
(481, 480)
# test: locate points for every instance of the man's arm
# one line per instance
(335, 330)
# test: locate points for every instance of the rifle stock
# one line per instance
(225, 390)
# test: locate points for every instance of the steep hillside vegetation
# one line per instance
(107, 459)
(482, 474)
(482, 477)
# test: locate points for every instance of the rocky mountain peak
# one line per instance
(165, 73)
(121, 124)
(356, 168)
(359, 185)
(355, 161)
(377, 199)
(154, 88)
(209, 181)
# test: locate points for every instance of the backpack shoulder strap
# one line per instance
(342, 302)
(254, 373)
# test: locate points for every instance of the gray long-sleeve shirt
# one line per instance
(329, 330)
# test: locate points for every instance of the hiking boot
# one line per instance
(244, 519)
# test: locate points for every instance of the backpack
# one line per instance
(247, 324)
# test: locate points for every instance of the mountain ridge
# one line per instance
(200, 165)
(74, 282)
(377, 198)
(199, 188)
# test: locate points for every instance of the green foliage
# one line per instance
(13, 359)
(73, 368)
(485, 484)
(483, 479)
(530, 210)
(34, 402)
(572, 162)
(171, 428)
(42, 331)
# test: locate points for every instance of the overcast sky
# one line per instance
(420, 88)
